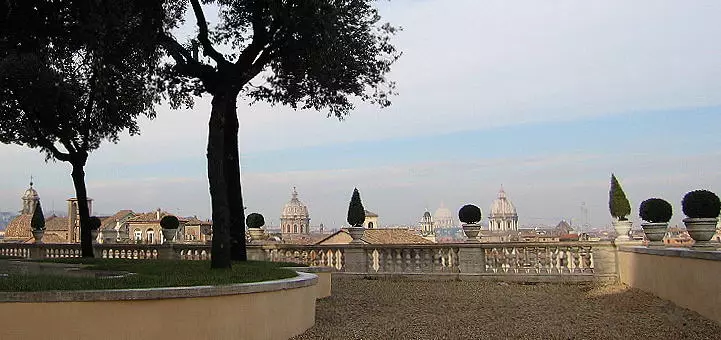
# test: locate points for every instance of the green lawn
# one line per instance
(148, 274)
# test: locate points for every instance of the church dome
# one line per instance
(30, 193)
(443, 216)
(502, 207)
(295, 208)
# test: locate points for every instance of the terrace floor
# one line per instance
(404, 309)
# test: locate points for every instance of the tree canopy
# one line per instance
(315, 54)
(76, 73)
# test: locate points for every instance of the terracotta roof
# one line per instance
(47, 238)
(19, 227)
(303, 239)
(56, 223)
(386, 236)
(392, 236)
(196, 221)
(122, 216)
(152, 217)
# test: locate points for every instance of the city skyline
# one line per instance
(485, 99)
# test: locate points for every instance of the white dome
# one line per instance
(295, 208)
(502, 207)
(443, 216)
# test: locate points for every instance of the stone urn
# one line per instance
(169, 235)
(356, 233)
(38, 235)
(622, 229)
(471, 230)
(701, 230)
(256, 234)
(655, 232)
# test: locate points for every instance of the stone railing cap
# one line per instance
(678, 252)
(302, 280)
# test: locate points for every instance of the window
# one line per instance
(370, 225)
(138, 235)
(151, 236)
(295, 228)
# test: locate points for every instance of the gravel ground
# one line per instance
(402, 309)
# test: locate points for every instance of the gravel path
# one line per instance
(402, 309)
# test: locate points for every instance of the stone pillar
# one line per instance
(472, 259)
(605, 259)
(37, 251)
(355, 260)
(256, 253)
(167, 252)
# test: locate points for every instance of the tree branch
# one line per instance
(203, 34)
(47, 144)
(261, 38)
(182, 57)
(85, 134)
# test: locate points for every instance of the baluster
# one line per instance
(578, 267)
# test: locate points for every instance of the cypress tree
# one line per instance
(38, 220)
(356, 212)
(617, 202)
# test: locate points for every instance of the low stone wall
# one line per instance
(323, 288)
(688, 278)
(276, 309)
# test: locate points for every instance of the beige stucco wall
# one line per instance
(267, 315)
(688, 282)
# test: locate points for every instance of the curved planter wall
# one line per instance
(264, 310)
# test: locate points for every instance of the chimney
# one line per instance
(157, 214)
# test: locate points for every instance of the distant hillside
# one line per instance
(5, 218)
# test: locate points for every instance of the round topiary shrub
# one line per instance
(655, 210)
(169, 222)
(469, 213)
(701, 204)
(94, 223)
(254, 220)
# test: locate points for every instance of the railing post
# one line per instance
(256, 253)
(167, 252)
(355, 260)
(37, 251)
(472, 259)
(604, 260)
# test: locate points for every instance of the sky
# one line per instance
(545, 99)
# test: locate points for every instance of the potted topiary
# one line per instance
(255, 221)
(37, 223)
(470, 215)
(170, 225)
(356, 217)
(656, 212)
(620, 208)
(94, 226)
(702, 209)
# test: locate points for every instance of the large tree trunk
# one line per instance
(220, 186)
(232, 176)
(81, 193)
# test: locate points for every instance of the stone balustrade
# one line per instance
(524, 260)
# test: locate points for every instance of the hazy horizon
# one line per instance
(545, 99)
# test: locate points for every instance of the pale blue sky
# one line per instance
(545, 98)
